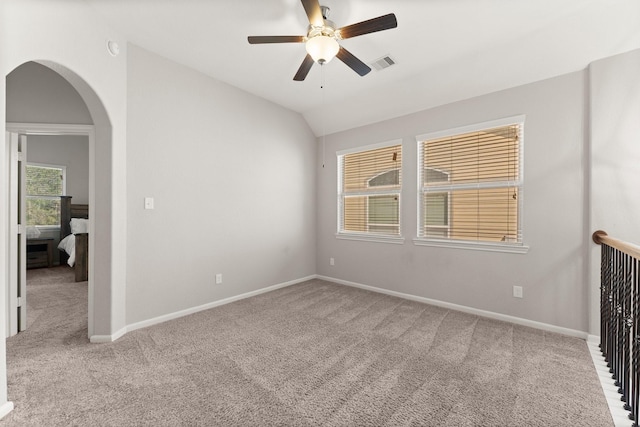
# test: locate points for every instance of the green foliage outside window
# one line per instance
(44, 187)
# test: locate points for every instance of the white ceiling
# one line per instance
(446, 50)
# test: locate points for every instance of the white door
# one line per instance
(17, 146)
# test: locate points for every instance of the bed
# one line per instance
(74, 237)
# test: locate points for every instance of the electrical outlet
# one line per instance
(148, 202)
(517, 292)
(332, 261)
(219, 279)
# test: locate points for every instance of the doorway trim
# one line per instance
(81, 130)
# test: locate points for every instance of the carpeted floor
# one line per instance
(315, 353)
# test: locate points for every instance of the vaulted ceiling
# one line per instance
(445, 50)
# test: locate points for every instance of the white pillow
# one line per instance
(33, 233)
(79, 225)
(68, 244)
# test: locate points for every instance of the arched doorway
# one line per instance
(99, 135)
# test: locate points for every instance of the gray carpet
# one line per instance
(315, 353)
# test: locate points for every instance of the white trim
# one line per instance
(47, 227)
(477, 246)
(5, 409)
(48, 129)
(616, 406)
(370, 237)
(192, 310)
(513, 120)
(384, 192)
(89, 132)
(465, 309)
(369, 147)
(101, 339)
(451, 188)
(470, 186)
(391, 190)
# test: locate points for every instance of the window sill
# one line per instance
(46, 227)
(377, 238)
(477, 246)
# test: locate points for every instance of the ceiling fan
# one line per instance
(322, 38)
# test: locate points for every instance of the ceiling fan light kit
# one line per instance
(322, 48)
(321, 41)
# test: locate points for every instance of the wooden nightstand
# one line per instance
(40, 253)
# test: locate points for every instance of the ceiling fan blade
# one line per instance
(314, 13)
(275, 39)
(304, 69)
(352, 62)
(380, 23)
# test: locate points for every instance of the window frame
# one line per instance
(445, 227)
(368, 215)
(380, 191)
(511, 247)
(63, 169)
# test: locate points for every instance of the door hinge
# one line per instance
(19, 301)
(21, 229)
(20, 156)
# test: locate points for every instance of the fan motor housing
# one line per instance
(328, 29)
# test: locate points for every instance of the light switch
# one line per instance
(148, 202)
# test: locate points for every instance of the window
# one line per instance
(436, 218)
(369, 186)
(471, 185)
(45, 184)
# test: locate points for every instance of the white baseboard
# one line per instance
(616, 406)
(192, 310)
(594, 339)
(451, 306)
(101, 339)
(5, 409)
(465, 309)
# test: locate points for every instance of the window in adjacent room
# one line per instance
(369, 187)
(45, 184)
(436, 218)
(470, 186)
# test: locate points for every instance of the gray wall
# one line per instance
(233, 179)
(615, 156)
(71, 151)
(35, 94)
(172, 107)
(74, 39)
(553, 272)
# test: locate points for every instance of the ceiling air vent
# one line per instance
(382, 63)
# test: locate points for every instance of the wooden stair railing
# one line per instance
(620, 317)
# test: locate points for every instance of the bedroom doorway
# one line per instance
(42, 98)
(17, 152)
(20, 133)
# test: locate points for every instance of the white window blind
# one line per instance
(471, 186)
(369, 186)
